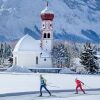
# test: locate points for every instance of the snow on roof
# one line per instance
(18, 69)
(46, 10)
(27, 43)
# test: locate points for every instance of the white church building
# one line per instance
(32, 53)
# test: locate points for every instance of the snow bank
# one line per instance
(66, 71)
(18, 69)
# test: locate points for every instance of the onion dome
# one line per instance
(47, 14)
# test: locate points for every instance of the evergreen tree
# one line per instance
(2, 50)
(60, 56)
(2, 54)
(9, 51)
(5, 52)
(88, 58)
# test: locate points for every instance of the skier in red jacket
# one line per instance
(79, 85)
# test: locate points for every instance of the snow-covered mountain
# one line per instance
(75, 20)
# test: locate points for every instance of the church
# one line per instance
(32, 53)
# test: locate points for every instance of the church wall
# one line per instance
(25, 59)
(29, 60)
(45, 62)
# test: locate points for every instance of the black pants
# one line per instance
(44, 86)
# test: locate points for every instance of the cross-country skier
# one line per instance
(43, 85)
(79, 85)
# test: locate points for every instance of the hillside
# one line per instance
(75, 20)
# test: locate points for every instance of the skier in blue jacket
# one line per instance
(43, 85)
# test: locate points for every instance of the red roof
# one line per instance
(47, 16)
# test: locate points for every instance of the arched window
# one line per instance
(48, 35)
(36, 60)
(44, 35)
(45, 59)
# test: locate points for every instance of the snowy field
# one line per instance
(29, 82)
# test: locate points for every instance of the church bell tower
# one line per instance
(47, 17)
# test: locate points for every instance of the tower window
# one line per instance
(48, 35)
(36, 60)
(50, 24)
(44, 35)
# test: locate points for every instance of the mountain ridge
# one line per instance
(75, 20)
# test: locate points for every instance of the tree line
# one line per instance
(62, 55)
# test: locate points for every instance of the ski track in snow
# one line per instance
(60, 96)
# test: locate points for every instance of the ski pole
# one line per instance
(88, 86)
(52, 86)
